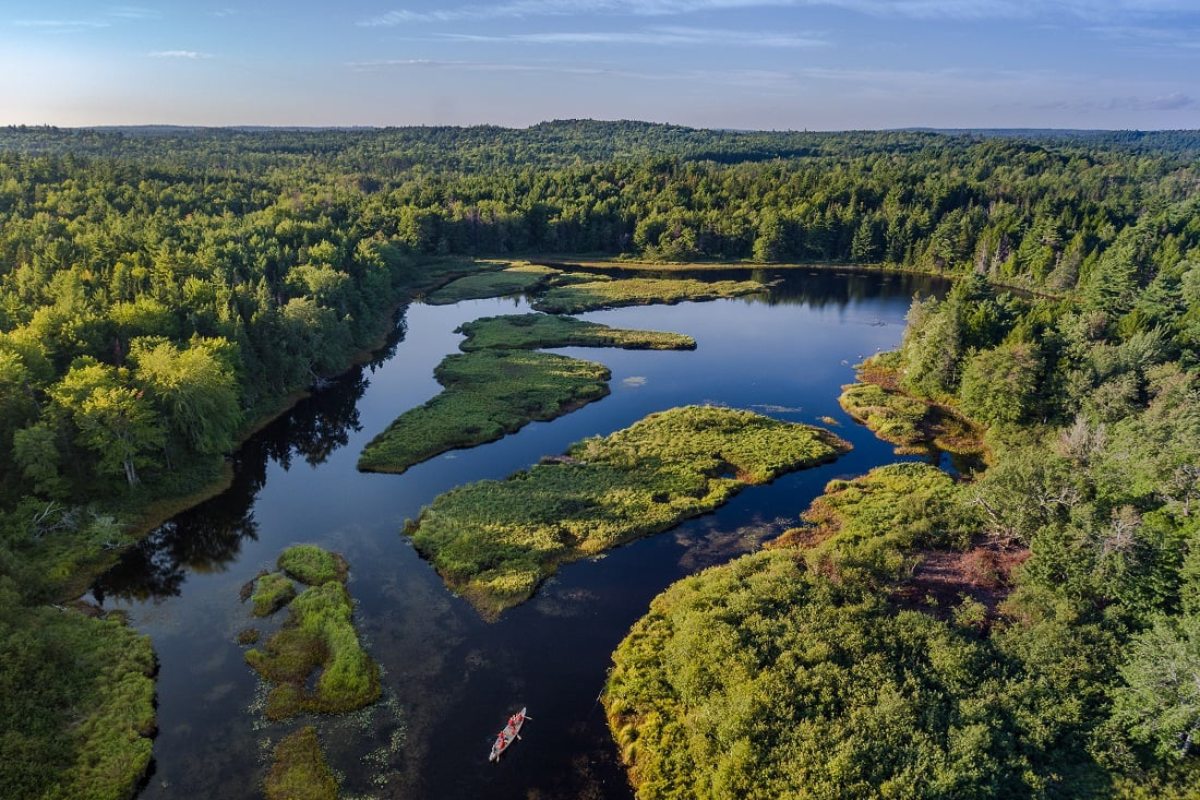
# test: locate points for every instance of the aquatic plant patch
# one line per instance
(319, 634)
(299, 770)
(495, 541)
(272, 592)
(313, 565)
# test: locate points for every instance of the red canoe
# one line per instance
(509, 735)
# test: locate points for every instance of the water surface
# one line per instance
(450, 679)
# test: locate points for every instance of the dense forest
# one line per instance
(161, 290)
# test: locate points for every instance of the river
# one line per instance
(450, 679)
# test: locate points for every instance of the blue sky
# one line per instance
(816, 64)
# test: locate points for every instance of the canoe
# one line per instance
(508, 735)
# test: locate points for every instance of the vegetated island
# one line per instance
(573, 298)
(491, 391)
(319, 633)
(915, 425)
(515, 278)
(299, 770)
(495, 541)
(536, 331)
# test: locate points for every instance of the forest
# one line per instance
(163, 291)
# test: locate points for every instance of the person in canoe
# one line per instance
(511, 732)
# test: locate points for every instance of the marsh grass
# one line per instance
(79, 694)
(313, 565)
(868, 528)
(914, 425)
(299, 770)
(272, 592)
(515, 279)
(495, 541)
(488, 393)
(319, 633)
(535, 331)
(572, 298)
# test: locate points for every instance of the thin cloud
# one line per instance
(134, 12)
(659, 37)
(920, 9)
(60, 25)
(185, 54)
(1176, 101)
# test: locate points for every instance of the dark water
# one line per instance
(450, 679)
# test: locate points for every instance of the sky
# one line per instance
(763, 64)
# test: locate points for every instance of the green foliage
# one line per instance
(495, 541)
(488, 393)
(77, 701)
(535, 331)
(999, 385)
(313, 565)
(298, 769)
(759, 679)
(1160, 699)
(574, 298)
(272, 592)
(319, 633)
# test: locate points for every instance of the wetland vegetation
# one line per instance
(537, 331)
(495, 541)
(487, 394)
(573, 298)
(498, 386)
(299, 771)
(319, 634)
(915, 425)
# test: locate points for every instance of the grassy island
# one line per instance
(489, 393)
(319, 633)
(515, 279)
(573, 298)
(914, 425)
(535, 331)
(495, 541)
(299, 770)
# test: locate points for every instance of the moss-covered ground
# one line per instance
(319, 634)
(79, 694)
(299, 771)
(495, 541)
(572, 298)
(914, 425)
(535, 331)
(488, 393)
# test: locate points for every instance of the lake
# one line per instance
(450, 679)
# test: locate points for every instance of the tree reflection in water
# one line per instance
(207, 537)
